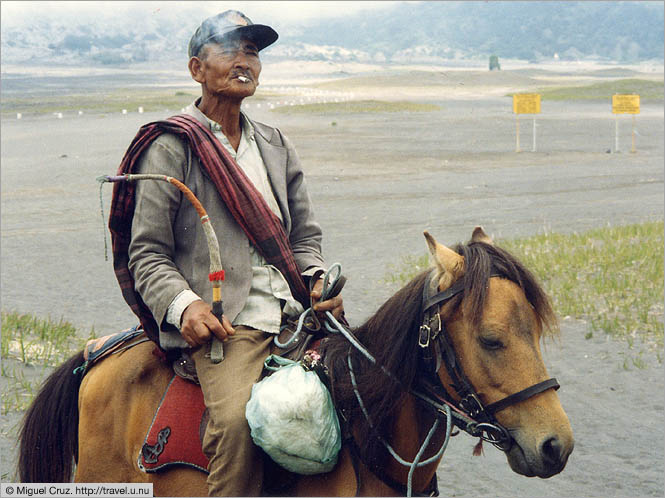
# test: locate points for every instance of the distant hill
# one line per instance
(621, 31)
(417, 32)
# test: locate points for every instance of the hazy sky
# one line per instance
(19, 12)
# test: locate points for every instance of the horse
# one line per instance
(458, 344)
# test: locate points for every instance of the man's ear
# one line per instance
(195, 69)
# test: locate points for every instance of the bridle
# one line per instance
(468, 413)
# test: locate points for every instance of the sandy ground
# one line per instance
(377, 181)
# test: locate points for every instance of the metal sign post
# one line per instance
(624, 104)
(526, 103)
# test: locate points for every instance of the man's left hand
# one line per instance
(335, 305)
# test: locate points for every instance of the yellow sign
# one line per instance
(526, 103)
(626, 104)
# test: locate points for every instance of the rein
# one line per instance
(469, 414)
(416, 463)
(334, 326)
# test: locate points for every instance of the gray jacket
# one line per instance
(168, 252)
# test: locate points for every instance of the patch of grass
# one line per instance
(18, 391)
(407, 269)
(32, 341)
(38, 341)
(355, 106)
(649, 91)
(611, 276)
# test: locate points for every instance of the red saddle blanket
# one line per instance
(177, 428)
(176, 433)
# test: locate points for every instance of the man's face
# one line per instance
(230, 69)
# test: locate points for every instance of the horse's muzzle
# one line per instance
(554, 454)
(548, 459)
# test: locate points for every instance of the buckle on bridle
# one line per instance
(428, 331)
(472, 405)
(423, 335)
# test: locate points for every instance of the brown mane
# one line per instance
(391, 337)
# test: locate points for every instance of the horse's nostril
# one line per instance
(551, 451)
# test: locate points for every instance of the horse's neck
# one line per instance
(341, 481)
(406, 436)
(409, 431)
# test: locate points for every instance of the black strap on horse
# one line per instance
(437, 348)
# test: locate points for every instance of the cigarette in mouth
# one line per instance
(243, 79)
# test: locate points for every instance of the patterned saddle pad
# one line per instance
(97, 349)
(176, 433)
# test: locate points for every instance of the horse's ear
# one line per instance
(448, 262)
(479, 235)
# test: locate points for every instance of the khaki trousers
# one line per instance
(236, 467)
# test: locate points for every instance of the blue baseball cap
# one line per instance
(230, 24)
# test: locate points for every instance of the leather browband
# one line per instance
(439, 297)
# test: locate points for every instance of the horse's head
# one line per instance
(495, 326)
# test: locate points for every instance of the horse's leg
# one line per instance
(117, 400)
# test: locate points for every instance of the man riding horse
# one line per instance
(261, 211)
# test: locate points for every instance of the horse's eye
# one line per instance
(491, 344)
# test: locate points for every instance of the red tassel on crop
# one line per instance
(218, 275)
(478, 448)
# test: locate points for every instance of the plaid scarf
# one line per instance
(247, 206)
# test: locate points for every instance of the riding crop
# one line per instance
(216, 273)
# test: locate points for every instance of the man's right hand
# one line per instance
(199, 324)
